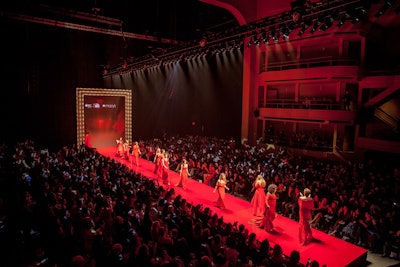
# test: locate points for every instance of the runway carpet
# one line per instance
(327, 250)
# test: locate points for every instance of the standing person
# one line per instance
(183, 173)
(126, 147)
(306, 205)
(160, 165)
(270, 212)
(157, 158)
(135, 153)
(258, 200)
(165, 168)
(347, 100)
(221, 187)
(120, 147)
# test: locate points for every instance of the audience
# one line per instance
(76, 206)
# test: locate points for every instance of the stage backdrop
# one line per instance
(103, 116)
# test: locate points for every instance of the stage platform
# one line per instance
(327, 250)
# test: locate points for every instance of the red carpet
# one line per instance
(328, 250)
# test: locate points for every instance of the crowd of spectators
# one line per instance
(76, 207)
(355, 201)
(307, 139)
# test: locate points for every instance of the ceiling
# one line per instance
(180, 20)
(148, 25)
(145, 26)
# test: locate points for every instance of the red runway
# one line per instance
(328, 250)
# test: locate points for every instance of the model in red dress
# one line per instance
(184, 174)
(270, 211)
(221, 187)
(120, 147)
(164, 169)
(135, 153)
(159, 164)
(306, 205)
(157, 158)
(258, 200)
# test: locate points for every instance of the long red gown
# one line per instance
(135, 154)
(306, 204)
(184, 174)
(157, 162)
(270, 213)
(120, 148)
(258, 201)
(164, 169)
(221, 194)
(160, 167)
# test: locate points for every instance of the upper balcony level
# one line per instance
(322, 116)
(316, 69)
(325, 61)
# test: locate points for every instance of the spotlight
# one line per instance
(327, 23)
(355, 19)
(285, 36)
(385, 7)
(340, 22)
(251, 42)
(315, 26)
(264, 37)
(304, 28)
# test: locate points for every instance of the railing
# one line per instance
(308, 63)
(284, 142)
(327, 104)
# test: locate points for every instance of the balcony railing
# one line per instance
(308, 63)
(327, 104)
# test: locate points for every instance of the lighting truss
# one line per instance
(313, 16)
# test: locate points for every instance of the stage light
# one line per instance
(285, 35)
(355, 19)
(327, 23)
(341, 21)
(314, 28)
(264, 37)
(384, 8)
(251, 42)
(303, 29)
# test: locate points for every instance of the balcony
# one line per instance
(323, 111)
(308, 63)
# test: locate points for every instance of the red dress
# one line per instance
(221, 193)
(306, 204)
(159, 166)
(270, 212)
(258, 201)
(184, 174)
(120, 149)
(164, 170)
(135, 153)
(157, 162)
